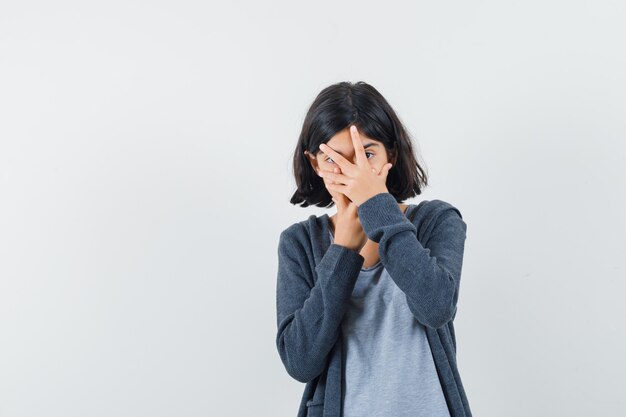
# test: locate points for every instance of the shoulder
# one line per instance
(439, 208)
(299, 233)
(435, 212)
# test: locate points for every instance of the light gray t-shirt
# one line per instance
(388, 367)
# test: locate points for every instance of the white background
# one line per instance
(145, 176)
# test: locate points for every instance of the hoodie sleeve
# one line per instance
(428, 274)
(308, 318)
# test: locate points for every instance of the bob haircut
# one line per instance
(337, 107)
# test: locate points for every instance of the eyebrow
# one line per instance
(365, 146)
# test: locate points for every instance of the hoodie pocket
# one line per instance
(315, 408)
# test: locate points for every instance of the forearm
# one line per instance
(307, 334)
(429, 280)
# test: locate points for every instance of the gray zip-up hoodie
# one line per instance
(423, 256)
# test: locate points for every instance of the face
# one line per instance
(342, 143)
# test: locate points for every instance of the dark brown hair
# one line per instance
(335, 108)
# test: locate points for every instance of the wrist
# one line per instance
(372, 195)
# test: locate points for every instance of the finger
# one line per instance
(324, 173)
(338, 198)
(341, 200)
(353, 209)
(336, 170)
(384, 172)
(359, 150)
(340, 188)
(334, 177)
(337, 157)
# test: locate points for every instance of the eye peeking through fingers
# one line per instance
(330, 160)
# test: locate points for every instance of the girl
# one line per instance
(366, 298)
